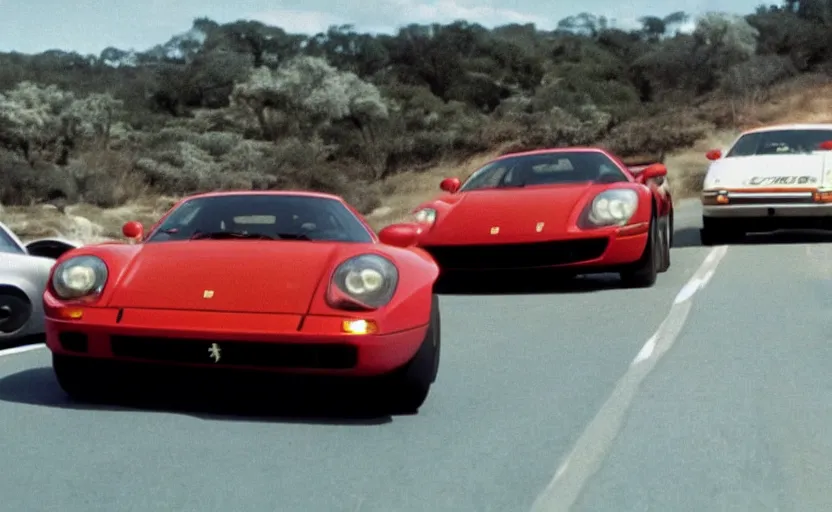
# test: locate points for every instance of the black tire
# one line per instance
(644, 272)
(708, 237)
(666, 236)
(79, 377)
(714, 232)
(408, 387)
(15, 310)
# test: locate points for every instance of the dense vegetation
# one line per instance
(246, 105)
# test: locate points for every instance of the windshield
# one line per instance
(779, 142)
(546, 169)
(262, 216)
(8, 244)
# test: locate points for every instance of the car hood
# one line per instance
(767, 171)
(516, 213)
(219, 275)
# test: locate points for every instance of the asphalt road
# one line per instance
(710, 391)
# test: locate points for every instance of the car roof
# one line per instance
(790, 126)
(284, 193)
(549, 151)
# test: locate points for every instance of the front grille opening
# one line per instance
(774, 222)
(332, 356)
(73, 341)
(518, 256)
(735, 200)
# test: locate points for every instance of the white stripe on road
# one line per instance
(20, 350)
(591, 448)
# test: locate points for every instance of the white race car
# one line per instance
(777, 177)
(24, 272)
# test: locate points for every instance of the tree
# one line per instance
(305, 94)
(33, 121)
(246, 104)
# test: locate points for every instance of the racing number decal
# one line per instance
(782, 180)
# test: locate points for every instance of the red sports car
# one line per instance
(289, 282)
(580, 210)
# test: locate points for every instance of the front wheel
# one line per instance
(408, 387)
(15, 310)
(666, 242)
(644, 272)
(79, 377)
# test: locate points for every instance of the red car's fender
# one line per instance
(409, 308)
(660, 193)
(411, 303)
(570, 216)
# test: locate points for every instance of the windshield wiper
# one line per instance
(227, 235)
(293, 236)
(519, 184)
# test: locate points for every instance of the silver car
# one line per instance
(24, 270)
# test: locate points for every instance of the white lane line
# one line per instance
(646, 351)
(20, 350)
(591, 448)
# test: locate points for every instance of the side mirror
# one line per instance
(652, 172)
(133, 230)
(399, 235)
(714, 154)
(826, 145)
(450, 185)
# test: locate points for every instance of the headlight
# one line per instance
(613, 207)
(425, 216)
(79, 277)
(370, 280)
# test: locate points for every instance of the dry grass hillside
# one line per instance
(791, 103)
(403, 191)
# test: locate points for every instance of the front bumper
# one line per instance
(599, 250)
(771, 211)
(264, 342)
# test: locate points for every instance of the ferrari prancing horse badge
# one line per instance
(539, 227)
(495, 230)
(214, 352)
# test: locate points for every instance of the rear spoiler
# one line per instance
(638, 163)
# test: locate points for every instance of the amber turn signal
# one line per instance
(822, 197)
(711, 198)
(359, 326)
(70, 313)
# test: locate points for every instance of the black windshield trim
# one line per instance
(813, 136)
(514, 159)
(352, 228)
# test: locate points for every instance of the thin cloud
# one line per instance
(398, 13)
(297, 21)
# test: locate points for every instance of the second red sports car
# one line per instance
(581, 210)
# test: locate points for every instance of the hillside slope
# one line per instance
(379, 118)
(791, 102)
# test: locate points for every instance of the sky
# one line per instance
(89, 26)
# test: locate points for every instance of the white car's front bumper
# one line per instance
(755, 205)
(769, 211)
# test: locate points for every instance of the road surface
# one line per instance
(711, 391)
